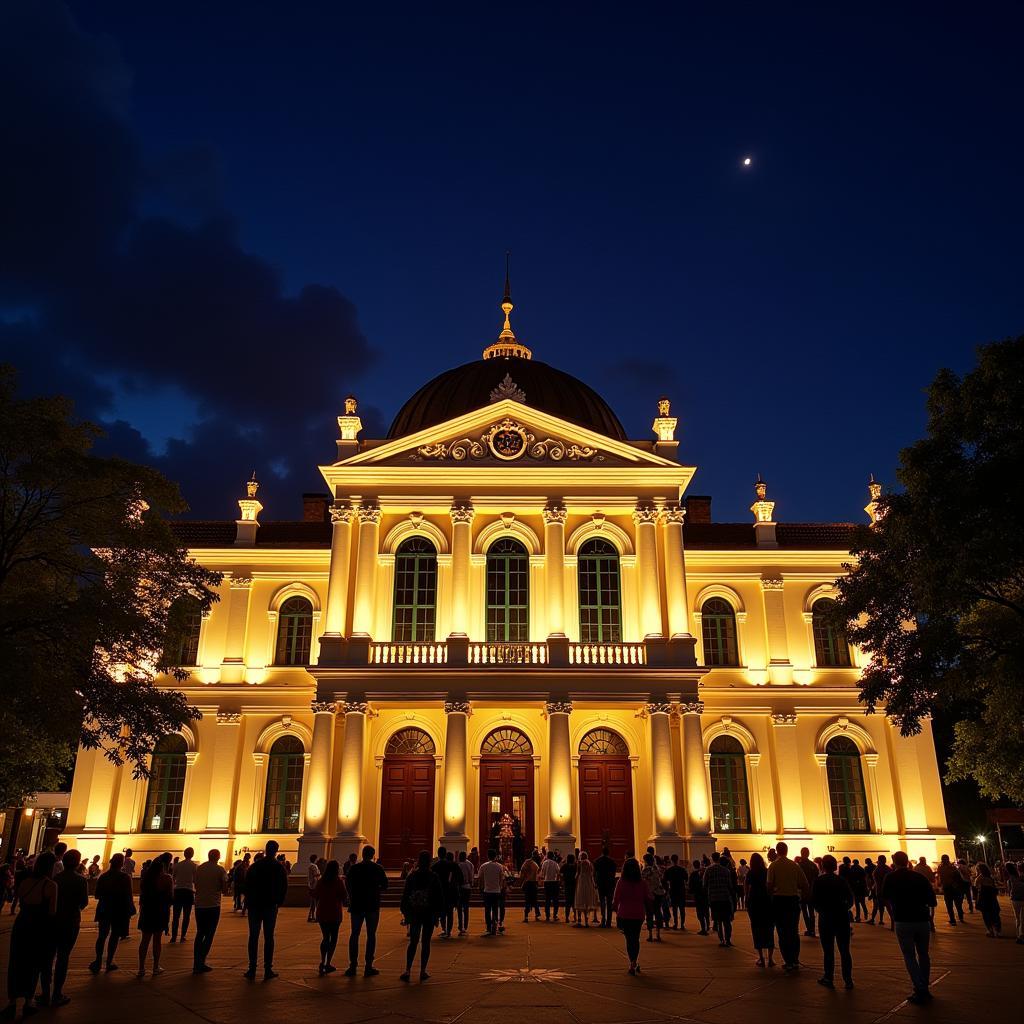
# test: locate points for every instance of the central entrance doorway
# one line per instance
(506, 793)
(606, 795)
(407, 798)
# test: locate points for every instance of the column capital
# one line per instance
(341, 513)
(645, 514)
(692, 707)
(462, 514)
(323, 707)
(673, 515)
(457, 706)
(558, 707)
(356, 707)
(369, 514)
(783, 718)
(658, 707)
(555, 515)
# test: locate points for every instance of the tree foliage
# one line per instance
(937, 595)
(90, 574)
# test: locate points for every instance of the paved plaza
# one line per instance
(539, 973)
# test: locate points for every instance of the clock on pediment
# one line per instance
(507, 440)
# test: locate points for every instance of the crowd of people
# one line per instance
(823, 896)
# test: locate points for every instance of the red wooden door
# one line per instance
(406, 809)
(606, 806)
(506, 785)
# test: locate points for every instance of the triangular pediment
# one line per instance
(506, 433)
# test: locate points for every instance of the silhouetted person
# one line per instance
(423, 900)
(450, 877)
(719, 887)
(952, 889)
(878, 877)
(759, 909)
(909, 897)
(832, 898)
(211, 884)
(700, 897)
(605, 870)
(156, 893)
(787, 885)
(115, 907)
(632, 903)
(549, 876)
(675, 882)
(366, 880)
(810, 870)
(31, 934)
(72, 899)
(328, 897)
(266, 885)
(184, 875)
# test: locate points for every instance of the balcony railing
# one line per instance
(508, 654)
(434, 653)
(607, 654)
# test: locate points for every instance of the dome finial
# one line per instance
(506, 346)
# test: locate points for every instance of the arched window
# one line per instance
(830, 647)
(294, 632)
(845, 785)
(730, 805)
(506, 741)
(184, 622)
(604, 742)
(600, 601)
(166, 786)
(410, 741)
(283, 803)
(415, 590)
(508, 592)
(718, 628)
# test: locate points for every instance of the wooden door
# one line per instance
(506, 785)
(606, 806)
(406, 809)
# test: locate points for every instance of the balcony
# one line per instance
(460, 652)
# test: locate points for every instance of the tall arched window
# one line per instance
(845, 786)
(508, 592)
(830, 647)
(285, 767)
(294, 632)
(718, 628)
(600, 601)
(166, 791)
(415, 610)
(183, 625)
(730, 805)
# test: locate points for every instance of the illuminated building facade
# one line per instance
(507, 606)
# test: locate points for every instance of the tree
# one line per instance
(91, 580)
(937, 595)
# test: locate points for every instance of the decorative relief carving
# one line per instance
(459, 451)
(784, 718)
(771, 582)
(558, 707)
(456, 706)
(356, 707)
(506, 441)
(549, 448)
(508, 389)
(658, 707)
(369, 514)
(673, 515)
(241, 582)
(341, 513)
(645, 514)
(693, 707)
(555, 514)
(323, 707)
(462, 513)
(228, 717)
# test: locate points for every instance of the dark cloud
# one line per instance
(96, 287)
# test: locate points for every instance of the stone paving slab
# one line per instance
(540, 972)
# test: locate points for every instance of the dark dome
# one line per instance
(468, 387)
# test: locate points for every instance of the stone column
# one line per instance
(349, 838)
(462, 529)
(318, 785)
(561, 837)
(554, 567)
(675, 571)
(646, 518)
(337, 583)
(666, 838)
(455, 796)
(787, 768)
(698, 800)
(366, 569)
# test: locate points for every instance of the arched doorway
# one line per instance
(407, 798)
(606, 795)
(506, 787)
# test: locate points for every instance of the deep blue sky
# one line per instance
(210, 162)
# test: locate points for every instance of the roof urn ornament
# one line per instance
(872, 509)
(764, 512)
(349, 425)
(249, 509)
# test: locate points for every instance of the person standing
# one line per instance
(586, 890)
(787, 885)
(700, 897)
(450, 877)
(312, 877)
(651, 874)
(569, 872)
(31, 934)
(988, 902)
(156, 894)
(128, 865)
(423, 900)
(492, 880)
(115, 907)
(549, 876)
(952, 893)
(528, 875)
(605, 870)
(184, 875)
(878, 877)
(266, 885)
(366, 880)
(719, 887)
(211, 883)
(810, 870)
(72, 899)
(632, 902)
(858, 883)
(1015, 890)
(924, 869)
(832, 898)
(967, 884)
(675, 885)
(759, 910)
(910, 900)
(329, 897)
(468, 873)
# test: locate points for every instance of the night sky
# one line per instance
(218, 219)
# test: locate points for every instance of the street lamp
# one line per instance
(984, 839)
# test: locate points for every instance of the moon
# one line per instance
(747, 161)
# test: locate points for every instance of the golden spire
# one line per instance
(506, 346)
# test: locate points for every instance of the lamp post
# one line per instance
(984, 849)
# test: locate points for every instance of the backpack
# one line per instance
(419, 900)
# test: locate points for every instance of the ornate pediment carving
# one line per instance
(508, 440)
